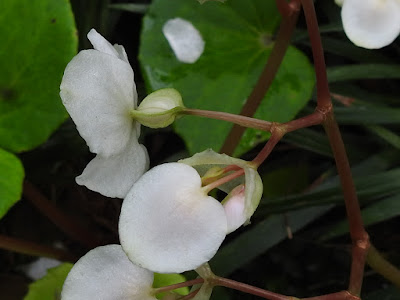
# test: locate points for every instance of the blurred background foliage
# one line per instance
(297, 243)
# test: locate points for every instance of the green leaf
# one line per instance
(390, 293)
(131, 7)
(38, 40)
(238, 41)
(11, 177)
(389, 136)
(368, 115)
(284, 181)
(161, 280)
(311, 140)
(365, 71)
(259, 238)
(369, 188)
(377, 212)
(49, 287)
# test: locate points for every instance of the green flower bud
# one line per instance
(159, 109)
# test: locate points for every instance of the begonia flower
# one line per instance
(244, 193)
(105, 273)
(371, 24)
(99, 93)
(168, 223)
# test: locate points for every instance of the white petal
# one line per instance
(101, 44)
(98, 91)
(105, 273)
(168, 224)
(38, 268)
(184, 39)
(371, 24)
(114, 176)
(121, 52)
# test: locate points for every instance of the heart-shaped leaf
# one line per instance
(238, 37)
(11, 177)
(38, 38)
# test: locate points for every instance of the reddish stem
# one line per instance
(286, 9)
(343, 295)
(177, 285)
(267, 76)
(244, 121)
(357, 232)
(323, 95)
(249, 289)
(61, 220)
(190, 295)
(314, 119)
(31, 248)
(277, 132)
(223, 180)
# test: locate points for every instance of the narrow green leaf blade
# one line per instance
(380, 211)
(259, 238)
(364, 71)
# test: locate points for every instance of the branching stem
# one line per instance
(220, 281)
(357, 232)
(267, 76)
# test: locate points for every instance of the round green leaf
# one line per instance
(38, 38)
(11, 177)
(49, 287)
(238, 41)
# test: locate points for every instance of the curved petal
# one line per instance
(185, 40)
(105, 273)
(371, 24)
(114, 176)
(168, 224)
(101, 44)
(98, 91)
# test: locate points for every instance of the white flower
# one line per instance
(99, 92)
(371, 24)
(244, 192)
(105, 273)
(168, 223)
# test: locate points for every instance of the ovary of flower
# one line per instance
(99, 92)
(168, 224)
(371, 24)
(105, 273)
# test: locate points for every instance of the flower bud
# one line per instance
(159, 109)
(234, 208)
